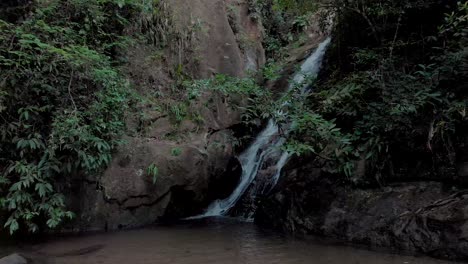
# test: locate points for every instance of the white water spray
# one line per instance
(267, 143)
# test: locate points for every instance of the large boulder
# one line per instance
(416, 217)
(128, 196)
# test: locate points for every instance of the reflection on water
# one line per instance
(206, 241)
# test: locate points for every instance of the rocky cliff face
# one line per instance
(194, 159)
(423, 217)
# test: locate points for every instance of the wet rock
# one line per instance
(13, 259)
(260, 187)
(415, 217)
(222, 185)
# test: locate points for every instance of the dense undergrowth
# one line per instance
(62, 102)
(393, 93)
(285, 22)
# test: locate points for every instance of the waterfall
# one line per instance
(267, 145)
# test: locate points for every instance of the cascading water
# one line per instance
(267, 146)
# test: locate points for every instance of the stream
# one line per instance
(266, 147)
(204, 241)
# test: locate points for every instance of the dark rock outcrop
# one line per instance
(415, 217)
(462, 166)
(13, 259)
(14, 10)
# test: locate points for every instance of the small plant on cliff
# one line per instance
(271, 71)
(178, 112)
(153, 172)
(176, 152)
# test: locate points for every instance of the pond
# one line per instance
(205, 241)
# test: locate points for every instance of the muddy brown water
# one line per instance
(215, 240)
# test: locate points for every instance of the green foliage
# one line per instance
(236, 90)
(302, 22)
(178, 112)
(387, 100)
(176, 152)
(271, 71)
(295, 6)
(455, 24)
(287, 20)
(153, 172)
(62, 103)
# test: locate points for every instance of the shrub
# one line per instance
(62, 103)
